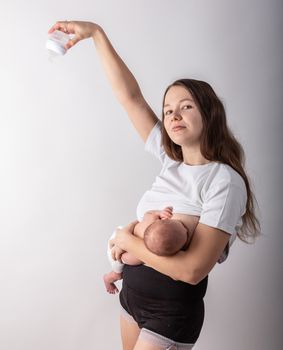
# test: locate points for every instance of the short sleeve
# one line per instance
(224, 205)
(153, 142)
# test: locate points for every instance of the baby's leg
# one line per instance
(109, 280)
(129, 259)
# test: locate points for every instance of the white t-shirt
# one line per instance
(215, 192)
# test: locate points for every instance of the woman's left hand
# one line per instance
(117, 253)
(123, 236)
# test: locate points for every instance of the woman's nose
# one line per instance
(176, 116)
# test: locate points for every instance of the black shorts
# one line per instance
(173, 309)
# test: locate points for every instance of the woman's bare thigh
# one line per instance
(129, 332)
(141, 344)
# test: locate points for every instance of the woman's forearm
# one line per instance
(120, 77)
(172, 266)
(183, 266)
(192, 265)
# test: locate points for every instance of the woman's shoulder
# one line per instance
(223, 174)
(154, 145)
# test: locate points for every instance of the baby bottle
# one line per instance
(56, 42)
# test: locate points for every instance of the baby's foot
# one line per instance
(110, 285)
(111, 288)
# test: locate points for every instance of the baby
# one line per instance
(163, 233)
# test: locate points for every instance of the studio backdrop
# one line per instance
(72, 167)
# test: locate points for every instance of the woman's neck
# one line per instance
(193, 156)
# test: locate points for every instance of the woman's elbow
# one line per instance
(192, 277)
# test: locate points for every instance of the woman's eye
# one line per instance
(187, 107)
(168, 112)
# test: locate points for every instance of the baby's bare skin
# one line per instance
(189, 221)
(150, 217)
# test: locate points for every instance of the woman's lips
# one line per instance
(177, 128)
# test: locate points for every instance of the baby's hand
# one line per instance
(166, 213)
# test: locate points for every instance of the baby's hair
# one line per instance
(165, 237)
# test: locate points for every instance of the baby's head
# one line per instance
(165, 237)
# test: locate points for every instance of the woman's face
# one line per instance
(182, 118)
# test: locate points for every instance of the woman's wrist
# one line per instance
(130, 243)
(97, 30)
(124, 237)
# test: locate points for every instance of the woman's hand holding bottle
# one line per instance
(78, 30)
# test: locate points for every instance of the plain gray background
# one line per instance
(72, 167)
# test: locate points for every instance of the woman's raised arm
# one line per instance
(122, 81)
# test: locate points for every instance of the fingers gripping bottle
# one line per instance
(56, 42)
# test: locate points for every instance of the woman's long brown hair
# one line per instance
(217, 144)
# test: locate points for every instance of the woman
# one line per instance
(202, 174)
